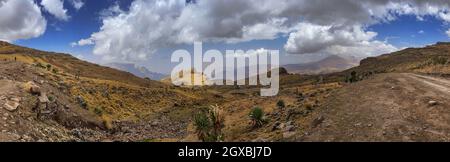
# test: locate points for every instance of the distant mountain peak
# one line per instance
(330, 64)
(139, 71)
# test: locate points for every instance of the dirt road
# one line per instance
(388, 107)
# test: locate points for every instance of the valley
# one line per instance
(403, 96)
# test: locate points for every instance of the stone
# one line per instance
(16, 99)
(433, 103)
(43, 98)
(289, 128)
(34, 89)
(11, 105)
(276, 126)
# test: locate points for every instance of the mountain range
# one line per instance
(139, 71)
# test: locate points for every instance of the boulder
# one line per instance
(11, 105)
(32, 88)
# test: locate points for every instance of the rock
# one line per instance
(2, 97)
(433, 103)
(281, 126)
(276, 126)
(289, 128)
(11, 105)
(43, 98)
(16, 99)
(33, 88)
(369, 125)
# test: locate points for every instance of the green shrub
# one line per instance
(257, 117)
(40, 65)
(208, 124)
(49, 66)
(202, 125)
(51, 98)
(98, 111)
(281, 104)
(352, 78)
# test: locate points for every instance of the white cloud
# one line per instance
(150, 25)
(312, 39)
(20, 19)
(77, 4)
(448, 32)
(82, 42)
(421, 32)
(56, 8)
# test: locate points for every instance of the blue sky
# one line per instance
(406, 30)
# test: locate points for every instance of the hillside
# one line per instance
(81, 101)
(112, 100)
(430, 59)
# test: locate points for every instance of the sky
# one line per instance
(146, 32)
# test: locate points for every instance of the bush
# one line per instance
(51, 98)
(257, 117)
(49, 66)
(40, 65)
(208, 124)
(352, 78)
(98, 111)
(439, 60)
(281, 104)
(202, 125)
(55, 70)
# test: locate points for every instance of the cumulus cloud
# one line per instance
(20, 19)
(312, 27)
(82, 42)
(77, 4)
(448, 32)
(56, 8)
